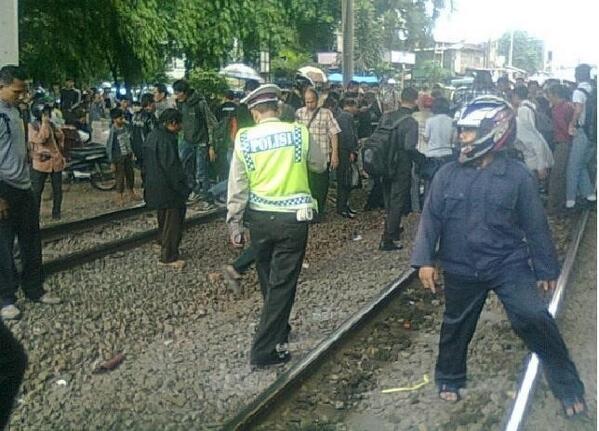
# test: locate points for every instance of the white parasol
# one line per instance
(314, 73)
(241, 71)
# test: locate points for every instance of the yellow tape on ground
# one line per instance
(425, 381)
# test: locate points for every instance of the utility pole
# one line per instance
(511, 53)
(9, 47)
(347, 23)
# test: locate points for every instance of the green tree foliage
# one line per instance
(407, 24)
(430, 72)
(368, 36)
(528, 51)
(132, 40)
(286, 63)
(91, 38)
(209, 83)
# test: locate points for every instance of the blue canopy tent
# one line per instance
(337, 77)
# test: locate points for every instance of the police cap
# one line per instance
(264, 93)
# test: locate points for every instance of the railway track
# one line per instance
(301, 384)
(73, 259)
(57, 231)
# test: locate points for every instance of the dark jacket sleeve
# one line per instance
(348, 133)
(532, 220)
(170, 165)
(429, 229)
(411, 134)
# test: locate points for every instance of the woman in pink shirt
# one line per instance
(45, 148)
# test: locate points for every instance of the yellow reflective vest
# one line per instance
(274, 155)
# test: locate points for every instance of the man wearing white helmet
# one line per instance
(485, 214)
(268, 187)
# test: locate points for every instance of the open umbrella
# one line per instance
(241, 71)
(314, 73)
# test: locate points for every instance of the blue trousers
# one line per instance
(516, 288)
(219, 190)
(194, 159)
(578, 181)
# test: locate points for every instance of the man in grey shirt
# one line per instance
(19, 216)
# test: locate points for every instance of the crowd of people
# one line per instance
(475, 167)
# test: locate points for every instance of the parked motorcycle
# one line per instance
(90, 163)
(86, 161)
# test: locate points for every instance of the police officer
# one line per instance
(486, 214)
(268, 186)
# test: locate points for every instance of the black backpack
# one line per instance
(378, 151)
(590, 110)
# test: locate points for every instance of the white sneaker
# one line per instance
(48, 299)
(592, 198)
(570, 204)
(10, 312)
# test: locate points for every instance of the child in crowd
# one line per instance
(120, 154)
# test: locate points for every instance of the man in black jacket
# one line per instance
(165, 185)
(396, 188)
(143, 123)
(348, 147)
(197, 147)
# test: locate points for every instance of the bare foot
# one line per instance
(448, 396)
(134, 196)
(449, 393)
(176, 264)
(578, 407)
(119, 200)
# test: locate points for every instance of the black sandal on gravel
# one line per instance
(449, 389)
(569, 410)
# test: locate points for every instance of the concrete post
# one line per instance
(9, 41)
(347, 19)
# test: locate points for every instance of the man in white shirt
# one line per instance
(577, 178)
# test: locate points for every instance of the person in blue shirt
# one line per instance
(484, 222)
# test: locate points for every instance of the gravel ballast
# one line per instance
(185, 339)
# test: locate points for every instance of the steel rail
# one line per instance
(289, 379)
(80, 257)
(528, 384)
(56, 231)
(258, 408)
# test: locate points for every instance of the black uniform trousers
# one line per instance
(22, 222)
(170, 230)
(245, 260)
(395, 192)
(279, 241)
(13, 362)
(516, 288)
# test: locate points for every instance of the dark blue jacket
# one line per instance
(485, 220)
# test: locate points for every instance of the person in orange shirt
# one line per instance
(46, 144)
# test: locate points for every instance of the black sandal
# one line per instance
(449, 389)
(569, 403)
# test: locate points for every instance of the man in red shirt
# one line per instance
(561, 113)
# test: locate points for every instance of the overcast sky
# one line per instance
(568, 27)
